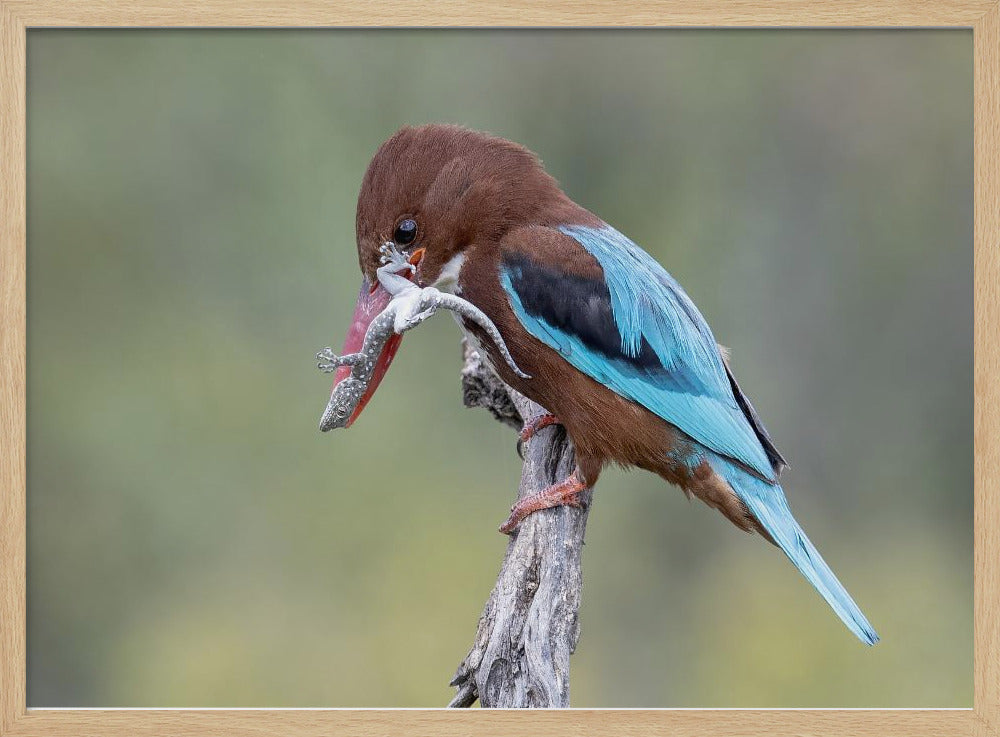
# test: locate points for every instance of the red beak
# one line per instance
(371, 301)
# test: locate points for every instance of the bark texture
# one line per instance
(530, 625)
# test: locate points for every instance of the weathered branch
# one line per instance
(530, 625)
(529, 628)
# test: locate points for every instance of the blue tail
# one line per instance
(767, 503)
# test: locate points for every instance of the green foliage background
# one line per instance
(193, 540)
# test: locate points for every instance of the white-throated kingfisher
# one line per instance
(609, 343)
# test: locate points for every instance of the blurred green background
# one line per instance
(193, 540)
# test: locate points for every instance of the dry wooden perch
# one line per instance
(530, 625)
(529, 628)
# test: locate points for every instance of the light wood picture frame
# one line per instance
(18, 16)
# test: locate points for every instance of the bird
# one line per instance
(609, 343)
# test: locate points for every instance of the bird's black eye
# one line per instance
(406, 231)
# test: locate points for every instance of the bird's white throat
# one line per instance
(447, 280)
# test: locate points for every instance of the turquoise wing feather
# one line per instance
(687, 384)
(639, 334)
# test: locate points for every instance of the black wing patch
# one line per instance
(576, 305)
(581, 306)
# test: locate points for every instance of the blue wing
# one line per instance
(639, 334)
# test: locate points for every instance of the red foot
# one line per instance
(566, 493)
(532, 427)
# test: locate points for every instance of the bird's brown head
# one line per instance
(437, 190)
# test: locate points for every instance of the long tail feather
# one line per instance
(767, 503)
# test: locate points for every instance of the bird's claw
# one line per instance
(509, 525)
(531, 428)
(565, 493)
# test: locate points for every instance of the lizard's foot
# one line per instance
(330, 361)
(392, 255)
(411, 321)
